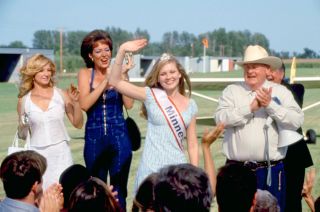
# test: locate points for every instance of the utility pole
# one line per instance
(192, 49)
(204, 59)
(221, 50)
(61, 51)
(205, 46)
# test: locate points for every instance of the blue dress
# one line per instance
(107, 146)
(161, 148)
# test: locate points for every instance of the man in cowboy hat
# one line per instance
(251, 112)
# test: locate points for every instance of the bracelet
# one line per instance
(125, 78)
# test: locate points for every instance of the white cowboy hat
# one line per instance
(257, 54)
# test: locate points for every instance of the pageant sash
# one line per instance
(171, 114)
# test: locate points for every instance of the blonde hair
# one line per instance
(152, 78)
(33, 66)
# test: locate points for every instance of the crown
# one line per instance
(165, 56)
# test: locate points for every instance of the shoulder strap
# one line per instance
(92, 78)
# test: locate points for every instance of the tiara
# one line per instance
(165, 56)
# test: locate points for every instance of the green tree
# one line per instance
(139, 33)
(17, 44)
(308, 53)
(260, 39)
(118, 37)
(74, 40)
(153, 49)
(47, 39)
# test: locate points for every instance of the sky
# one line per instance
(289, 25)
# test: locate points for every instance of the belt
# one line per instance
(254, 165)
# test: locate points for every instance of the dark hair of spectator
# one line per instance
(71, 178)
(144, 199)
(236, 187)
(92, 196)
(20, 171)
(183, 187)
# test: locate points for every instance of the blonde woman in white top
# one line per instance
(45, 106)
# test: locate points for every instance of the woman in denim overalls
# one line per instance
(107, 146)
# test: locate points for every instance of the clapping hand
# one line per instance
(113, 192)
(73, 93)
(210, 136)
(52, 199)
(264, 96)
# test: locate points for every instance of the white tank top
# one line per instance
(47, 127)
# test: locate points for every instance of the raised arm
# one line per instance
(207, 139)
(124, 87)
(129, 64)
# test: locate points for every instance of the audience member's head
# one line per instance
(144, 199)
(21, 173)
(236, 188)
(71, 178)
(183, 187)
(266, 202)
(92, 195)
(277, 75)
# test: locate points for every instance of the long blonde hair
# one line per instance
(152, 78)
(34, 65)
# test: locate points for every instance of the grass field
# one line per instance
(8, 123)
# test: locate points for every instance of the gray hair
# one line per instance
(266, 202)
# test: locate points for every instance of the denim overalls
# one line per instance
(107, 146)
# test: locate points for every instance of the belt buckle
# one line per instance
(253, 165)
